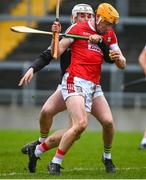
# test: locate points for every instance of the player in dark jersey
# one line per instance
(50, 108)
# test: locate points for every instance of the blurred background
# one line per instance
(20, 106)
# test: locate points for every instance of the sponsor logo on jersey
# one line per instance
(94, 47)
(86, 34)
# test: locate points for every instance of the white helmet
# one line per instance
(82, 8)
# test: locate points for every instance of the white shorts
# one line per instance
(98, 92)
(78, 87)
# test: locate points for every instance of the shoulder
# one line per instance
(110, 32)
(77, 27)
(110, 35)
(71, 27)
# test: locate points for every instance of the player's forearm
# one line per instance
(121, 62)
(63, 44)
(41, 61)
(118, 58)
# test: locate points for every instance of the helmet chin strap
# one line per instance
(99, 19)
(73, 19)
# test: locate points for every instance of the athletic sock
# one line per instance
(107, 152)
(144, 138)
(42, 140)
(58, 158)
(41, 149)
(143, 141)
(43, 137)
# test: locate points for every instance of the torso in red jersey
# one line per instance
(86, 58)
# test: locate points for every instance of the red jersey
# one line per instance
(87, 58)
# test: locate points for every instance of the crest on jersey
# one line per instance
(108, 39)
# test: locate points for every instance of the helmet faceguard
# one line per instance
(108, 13)
(81, 8)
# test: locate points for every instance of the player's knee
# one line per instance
(78, 137)
(76, 133)
(109, 123)
(82, 125)
(78, 129)
(46, 112)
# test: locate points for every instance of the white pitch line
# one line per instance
(74, 169)
(102, 169)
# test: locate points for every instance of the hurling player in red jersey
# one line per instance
(142, 62)
(82, 79)
(55, 103)
(81, 84)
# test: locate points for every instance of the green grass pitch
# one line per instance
(83, 161)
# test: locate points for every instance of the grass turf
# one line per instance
(83, 161)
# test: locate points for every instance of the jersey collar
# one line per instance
(90, 25)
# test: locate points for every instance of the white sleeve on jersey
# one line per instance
(114, 47)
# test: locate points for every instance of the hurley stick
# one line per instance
(134, 82)
(56, 34)
(25, 29)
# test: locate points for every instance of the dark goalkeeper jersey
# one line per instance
(45, 58)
